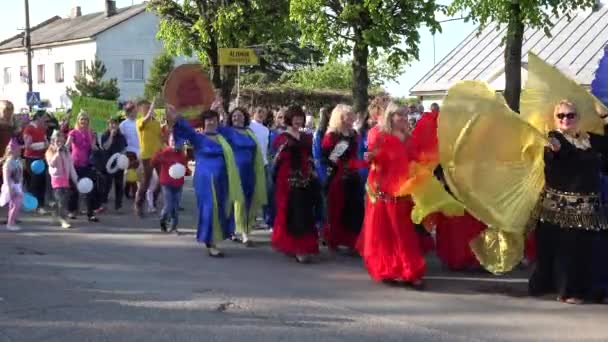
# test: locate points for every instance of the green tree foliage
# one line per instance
(363, 28)
(335, 75)
(162, 65)
(93, 85)
(517, 15)
(200, 27)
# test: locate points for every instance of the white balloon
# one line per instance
(112, 164)
(85, 185)
(177, 171)
(123, 162)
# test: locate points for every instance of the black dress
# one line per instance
(571, 217)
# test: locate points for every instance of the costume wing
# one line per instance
(493, 163)
(546, 86)
(599, 86)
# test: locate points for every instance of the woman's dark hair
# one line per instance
(209, 114)
(292, 112)
(324, 116)
(245, 114)
(269, 122)
(365, 124)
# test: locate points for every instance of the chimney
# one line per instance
(75, 12)
(110, 8)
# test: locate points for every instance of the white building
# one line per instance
(123, 39)
(575, 48)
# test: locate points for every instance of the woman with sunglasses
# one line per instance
(570, 214)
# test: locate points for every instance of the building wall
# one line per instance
(50, 89)
(134, 39)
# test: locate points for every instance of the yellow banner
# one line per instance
(238, 57)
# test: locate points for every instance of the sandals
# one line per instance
(572, 301)
(215, 253)
(304, 259)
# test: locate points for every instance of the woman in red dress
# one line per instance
(388, 242)
(297, 190)
(453, 233)
(344, 186)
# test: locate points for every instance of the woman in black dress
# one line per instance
(571, 216)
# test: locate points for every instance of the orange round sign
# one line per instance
(188, 89)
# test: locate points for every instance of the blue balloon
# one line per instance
(38, 167)
(29, 202)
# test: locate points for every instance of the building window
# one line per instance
(81, 68)
(41, 75)
(23, 74)
(7, 75)
(59, 72)
(133, 69)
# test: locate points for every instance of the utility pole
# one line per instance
(28, 47)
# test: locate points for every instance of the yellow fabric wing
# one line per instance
(546, 86)
(493, 163)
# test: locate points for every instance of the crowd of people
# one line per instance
(359, 184)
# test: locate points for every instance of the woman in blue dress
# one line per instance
(250, 164)
(366, 124)
(320, 165)
(217, 183)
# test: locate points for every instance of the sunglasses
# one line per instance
(568, 116)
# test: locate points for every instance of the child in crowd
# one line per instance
(152, 193)
(62, 171)
(131, 176)
(171, 187)
(12, 188)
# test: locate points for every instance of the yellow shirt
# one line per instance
(149, 135)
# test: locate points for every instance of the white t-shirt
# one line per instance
(261, 133)
(128, 129)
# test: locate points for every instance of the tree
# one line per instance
(278, 59)
(336, 75)
(517, 15)
(200, 27)
(92, 84)
(162, 65)
(365, 28)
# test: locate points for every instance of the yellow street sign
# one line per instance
(238, 57)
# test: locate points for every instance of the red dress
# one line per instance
(388, 242)
(453, 235)
(345, 207)
(296, 193)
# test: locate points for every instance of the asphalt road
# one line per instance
(122, 280)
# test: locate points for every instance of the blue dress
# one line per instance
(210, 178)
(269, 212)
(317, 156)
(363, 172)
(244, 148)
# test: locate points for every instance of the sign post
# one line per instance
(238, 57)
(32, 98)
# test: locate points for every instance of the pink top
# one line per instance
(81, 146)
(61, 170)
(60, 182)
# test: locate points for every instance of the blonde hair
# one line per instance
(6, 108)
(52, 149)
(335, 120)
(387, 120)
(566, 103)
(82, 115)
(377, 107)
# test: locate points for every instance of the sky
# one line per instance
(453, 33)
